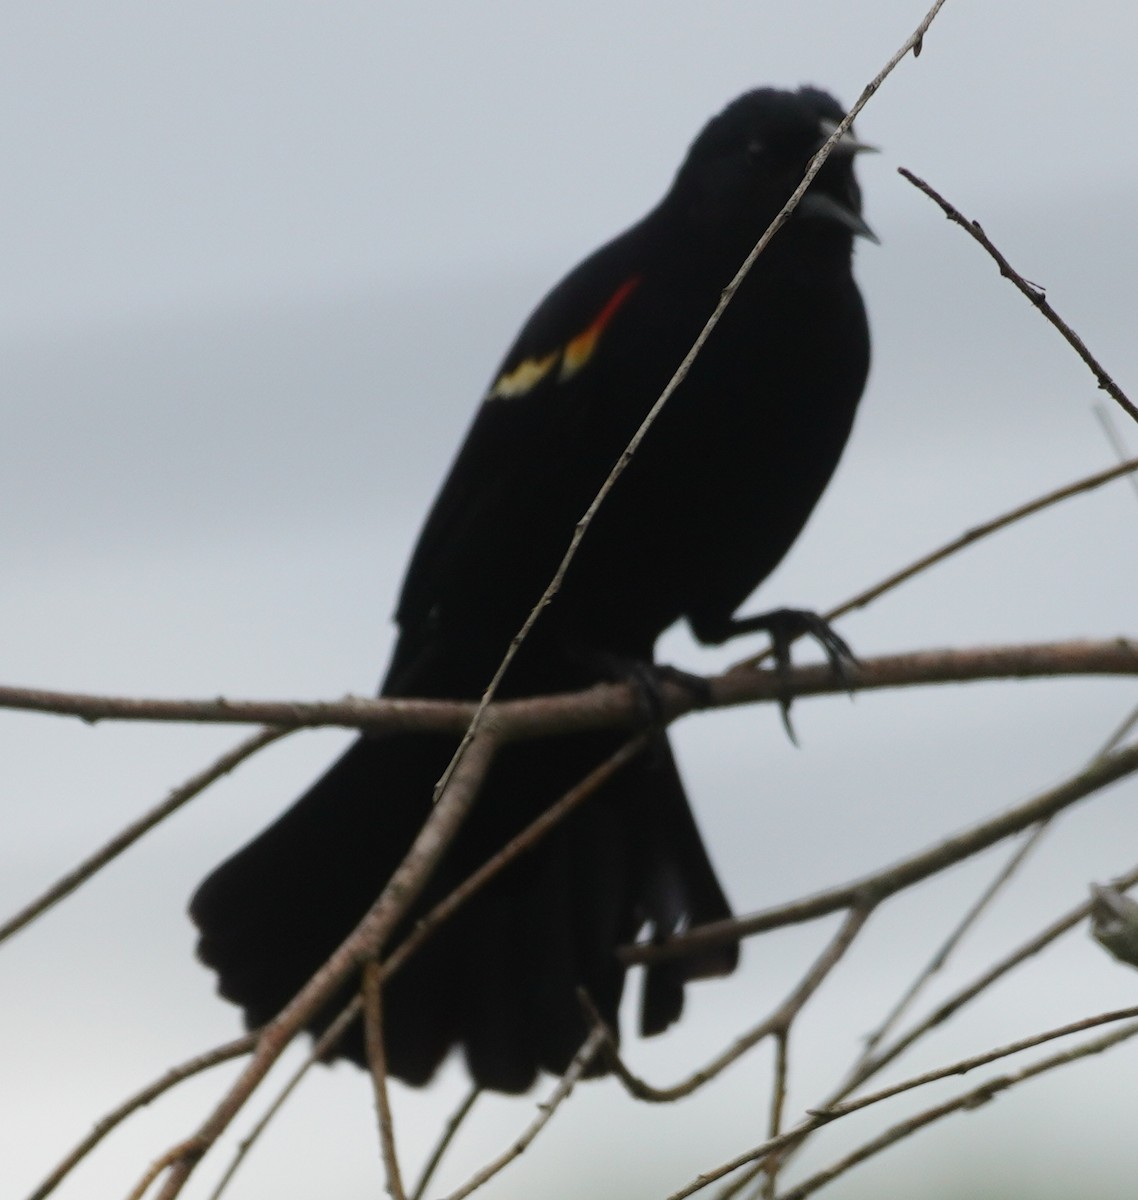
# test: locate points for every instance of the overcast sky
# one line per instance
(259, 260)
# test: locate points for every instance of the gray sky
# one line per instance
(259, 261)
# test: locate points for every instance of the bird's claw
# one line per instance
(645, 678)
(784, 625)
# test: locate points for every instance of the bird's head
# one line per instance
(747, 161)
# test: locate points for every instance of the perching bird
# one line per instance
(713, 499)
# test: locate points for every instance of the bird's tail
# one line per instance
(501, 978)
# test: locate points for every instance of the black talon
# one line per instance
(784, 625)
(645, 678)
(645, 683)
(781, 639)
(695, 685)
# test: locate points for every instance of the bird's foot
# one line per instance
(785, 625)
(646, 679)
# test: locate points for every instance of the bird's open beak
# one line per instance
(821, 206)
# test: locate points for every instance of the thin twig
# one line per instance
(577, 1067)
(193, 1066)
(936, 963)
(757, 1155)
(969, 537)
(964, 1065)
(189, 1151)
(1124, 727)
(372, 989)
(324, 1043)
(365, 941)
(449, 1131)
(778, 1021)
(963, 1103)
(881, 884)
(778, 1103)
(969, 992)
(517, 845)
(748, 1157)
(128, 836)
(1032, 291)
(1113, 437)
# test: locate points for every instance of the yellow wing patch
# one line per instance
(527, 374)
(573, 355)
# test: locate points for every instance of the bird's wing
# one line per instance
(533, 456)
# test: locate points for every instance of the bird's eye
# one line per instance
(755, 149)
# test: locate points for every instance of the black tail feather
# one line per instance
(502, 977)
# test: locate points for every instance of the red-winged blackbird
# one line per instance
(711, 502)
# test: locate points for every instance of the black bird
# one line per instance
(711, 502)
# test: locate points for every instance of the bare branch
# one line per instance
(365, 941)
(970, 536)
(748, 1157)
(1109, 428)
(779, 1021)
(398, 714)
(977, 1060)
(188, 1151)
(954, 939)
(128, 836)
(324, 1043)
(581, 1060)
(388, 714)
(757, 1155)
(1001, 879)
(518, 845)
(193, 1066)
(876, 887)
(778, 1104)
(449, 1130)
(959, 999)
(377, 1064)
(1032, 291)
(608, 705)
(968, 1100)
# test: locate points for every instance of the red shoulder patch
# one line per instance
(527, 374)
(578, 352)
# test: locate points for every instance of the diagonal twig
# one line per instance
(195, 1065)
(778, 1021)
(881, 884)
(128, 836)
(972, 915)
(581, 1060)
(372, 992)
(451, 1128)
(962, 1103)
(365, 941)
(981, 983)
(970, 536)
(945, 950)
(1032, 291)
(321, 1047)
(814, 1120)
